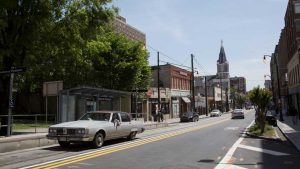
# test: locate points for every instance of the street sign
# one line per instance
(14, 70)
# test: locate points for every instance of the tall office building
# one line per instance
(129, 31)
(239, 84)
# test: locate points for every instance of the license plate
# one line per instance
(62, 139)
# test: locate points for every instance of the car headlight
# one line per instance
(52, 130)
(82, 131)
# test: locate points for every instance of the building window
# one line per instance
(297, 7)
(297, 23)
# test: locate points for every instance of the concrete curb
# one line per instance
(294, 143)
(262, 137)
(22, 142)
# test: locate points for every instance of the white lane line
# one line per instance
(235, 167)
(276, 153)
(225, 162)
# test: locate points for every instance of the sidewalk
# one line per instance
(290, 130)
(31, 139)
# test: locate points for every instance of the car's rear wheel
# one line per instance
(131, 136)
(64, 144)
(98, 140)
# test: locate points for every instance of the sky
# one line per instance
(249, 29)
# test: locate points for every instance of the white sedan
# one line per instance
(237, 113)
(215, 112)
(96, 127)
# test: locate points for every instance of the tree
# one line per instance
(240, 100)
(117, 62)
(49, 38)
(260, 98)
(20, 21)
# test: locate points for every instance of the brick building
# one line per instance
(176, 82)
(239, 84)
(129, 31)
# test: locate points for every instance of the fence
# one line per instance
(33, 123)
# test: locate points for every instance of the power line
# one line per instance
(162, 53)
(202, 68)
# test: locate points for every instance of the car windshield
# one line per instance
(216, 110)
(238, 110)
(96, 116)
(188, 113)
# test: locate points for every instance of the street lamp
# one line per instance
(278, 84)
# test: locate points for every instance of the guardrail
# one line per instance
(28, 123)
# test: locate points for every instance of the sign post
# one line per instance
(12, 71)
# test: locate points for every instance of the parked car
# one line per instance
(237, 113)
(96, 127)
(271, 118)
(189, 117)
(215, 112)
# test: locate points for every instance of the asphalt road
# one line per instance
(217, 142)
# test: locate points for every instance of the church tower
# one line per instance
(222, 79)
(222, 64)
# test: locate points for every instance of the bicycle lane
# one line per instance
(260, 153)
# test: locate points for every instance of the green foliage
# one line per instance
(260, 98)
(20, 21)
(69, 40)
(240, 100)
(268, 131)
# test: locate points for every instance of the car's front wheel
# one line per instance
(131, 136)
(64, 144)
(98, 140)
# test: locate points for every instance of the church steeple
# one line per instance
(222, 55)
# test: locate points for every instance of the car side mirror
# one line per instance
(116, 122)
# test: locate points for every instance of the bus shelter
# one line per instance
(75, 102)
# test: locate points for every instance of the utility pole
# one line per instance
(136, 105)
(279, 90)
(193, 84)
(221, 85)
(206, 105)
(278, 85)
(158, 89)
(11, 72)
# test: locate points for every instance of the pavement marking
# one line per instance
(231, 128)
(109, 150)
(225, 162)
(276, 153)
(235, 167)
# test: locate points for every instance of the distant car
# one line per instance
(96, 127)
(215, 112)
(237, 113)
(189, 117)
(271, 118)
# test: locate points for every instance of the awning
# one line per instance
(186, 99)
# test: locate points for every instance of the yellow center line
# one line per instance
(123, 147)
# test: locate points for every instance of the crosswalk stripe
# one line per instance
(276, 153)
